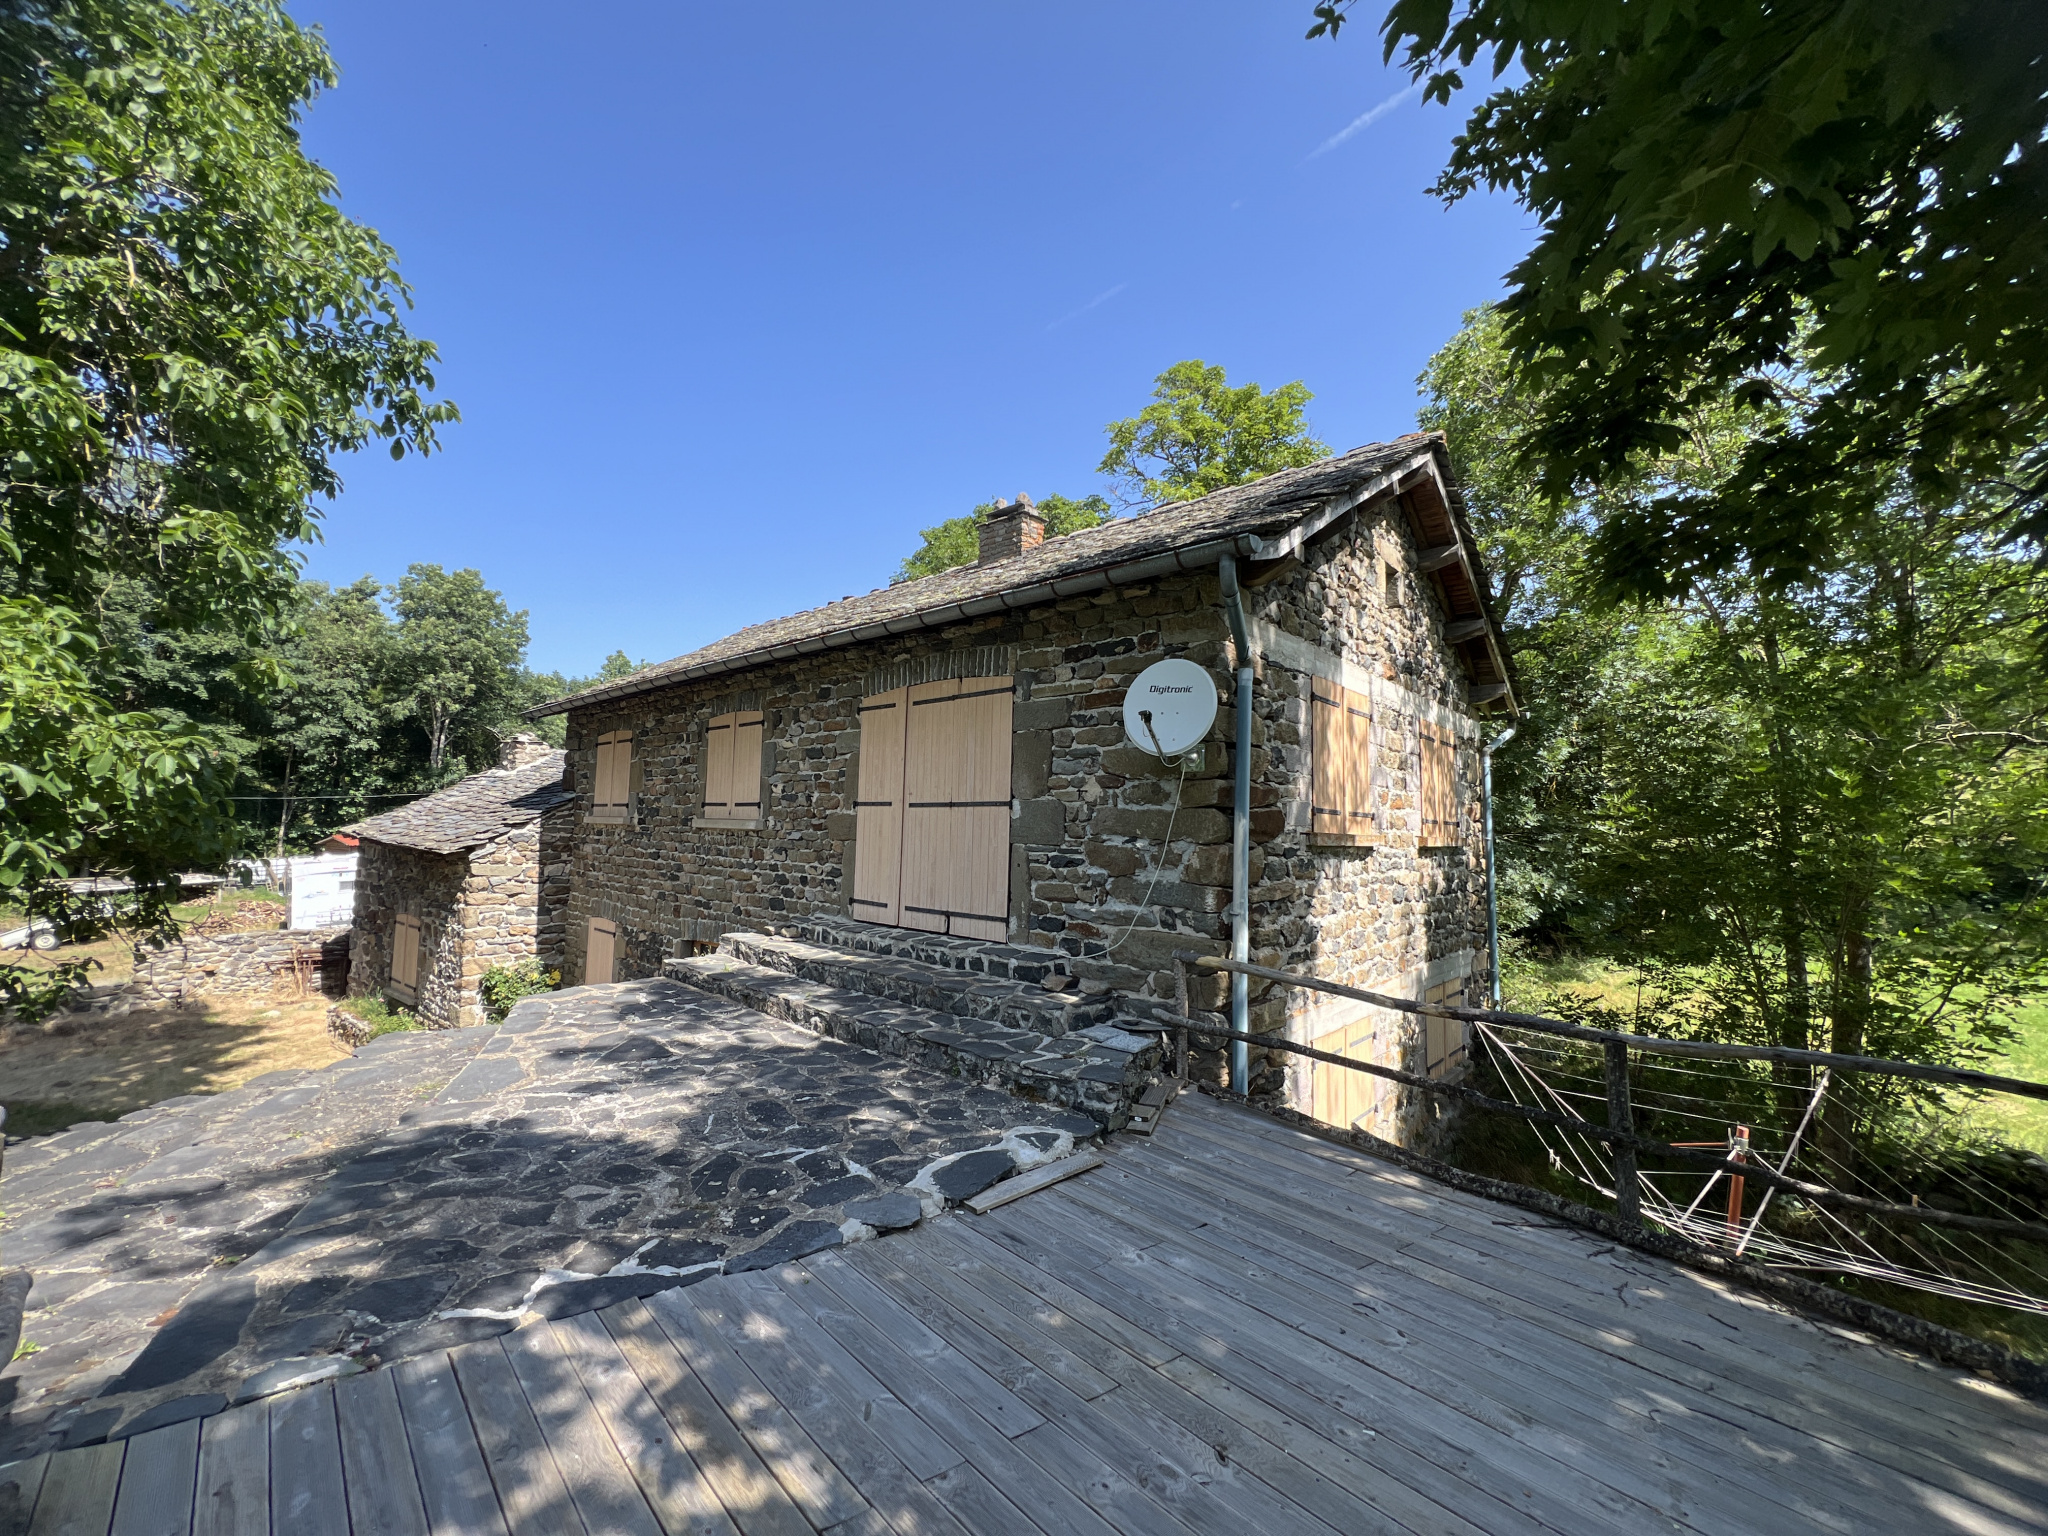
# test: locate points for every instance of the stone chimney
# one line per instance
(1011, 530)
(521, 748)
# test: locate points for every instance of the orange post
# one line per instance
(1738, 1152)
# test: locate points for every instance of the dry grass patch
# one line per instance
(76, 1067)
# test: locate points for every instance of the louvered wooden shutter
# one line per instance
(956, 808)
(878, 809)
(600, 951)
(1439, 789)
(1340, 761)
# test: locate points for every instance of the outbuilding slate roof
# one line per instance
(469, 814)
(1178, 535)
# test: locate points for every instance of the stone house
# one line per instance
(462, 880)
(888, 792)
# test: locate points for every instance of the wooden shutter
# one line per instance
(600, 951)
(1439, 789)
(405, 954)
(746, 764)
(612, 794)
(732, 765)
(1340, 761)
(1443, 1040)
(878, 809)
(956, 808)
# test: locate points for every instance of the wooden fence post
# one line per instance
(1625, 1191)
(1180, 989)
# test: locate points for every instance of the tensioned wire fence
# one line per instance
(1798, 1160)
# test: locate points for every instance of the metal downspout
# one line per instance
(1492, 898)
(1240, 826)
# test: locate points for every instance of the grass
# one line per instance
(79, 1067)
(380, 1015)
(2023, 1122)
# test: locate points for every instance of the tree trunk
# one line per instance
(1847, 1036)
(1795, 1015)
(437, 737)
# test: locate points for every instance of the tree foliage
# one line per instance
(1199, 435)
(190, 331)
(1832, 207)
(1822, 804)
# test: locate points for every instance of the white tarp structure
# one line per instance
(320, 887)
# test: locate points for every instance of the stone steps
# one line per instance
(1096, 1070)
(920, 984)
(981, 956)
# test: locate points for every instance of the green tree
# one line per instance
(190, 331)
(457, 652)
(957, 541)
(1821, 801)
(1829, 205)
(1200, 435)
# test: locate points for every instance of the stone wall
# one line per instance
(391, 881)
(1090, 811)
(308, 960)
(501, 904)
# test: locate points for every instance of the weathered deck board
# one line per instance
(459, 1497)
(669, 1479)
(600, 1487)
(233, 1497)
(377, 1470)
(158, 1478)
(305, 1465)
(77, 1494)
(1229, 1329)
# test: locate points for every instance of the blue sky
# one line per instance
(736, 299)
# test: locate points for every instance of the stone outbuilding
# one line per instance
(464, 879)
(935, 781)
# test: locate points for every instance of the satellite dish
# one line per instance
(1169, 707)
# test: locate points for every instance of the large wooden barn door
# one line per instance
(933, 832)
(878, 810)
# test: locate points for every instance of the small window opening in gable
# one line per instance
(1390, 583)
(612, 794)
(732, 766)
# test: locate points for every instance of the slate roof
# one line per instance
(469, 814)
(1261, 506)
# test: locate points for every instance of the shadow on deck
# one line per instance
(1232, 1328)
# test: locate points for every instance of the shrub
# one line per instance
(504, 985)
(380, 1015)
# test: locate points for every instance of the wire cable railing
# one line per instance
(1752, 1163)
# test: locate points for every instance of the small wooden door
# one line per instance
(600, 954)
(933, 808)
(405, 956)
(878, 810)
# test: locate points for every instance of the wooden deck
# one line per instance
(1232, 1329)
